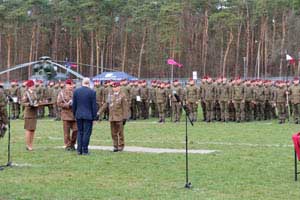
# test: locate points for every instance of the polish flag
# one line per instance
(290, 59)
(171, 61)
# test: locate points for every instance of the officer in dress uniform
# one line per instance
(30, 101)
(118, 114)
(64, 101)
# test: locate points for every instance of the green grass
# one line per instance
(243, 168)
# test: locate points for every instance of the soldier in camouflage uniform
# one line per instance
(202, 97)
(22, 92)
(161, 100)
(268, 98)
(135, 99)
(224, 96)
(56, 109)
(259, 99)
(294, 94)
(152, 99)
(237, 96)
(106, 99)
(169, 95)
(210, 98)
(247, 111)
(217, 108)
(99, 95)
(192, 99)
(14, 92)
(144, 90)
(231, 108)
(176, 106)
(281, 101)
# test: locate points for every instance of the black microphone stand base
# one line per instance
(188, 185)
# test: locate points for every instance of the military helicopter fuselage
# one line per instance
(46, 71)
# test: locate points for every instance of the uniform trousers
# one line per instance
(117, 134)
(70, 139)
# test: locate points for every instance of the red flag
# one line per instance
(73, 65)
(171, 61)
(290, 59)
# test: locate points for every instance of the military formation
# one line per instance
(220, 99)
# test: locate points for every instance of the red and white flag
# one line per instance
(171, 61)
(290, 59)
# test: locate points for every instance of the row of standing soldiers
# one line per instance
(220, 99)
(45, 93)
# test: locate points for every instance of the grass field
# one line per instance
(254, 161)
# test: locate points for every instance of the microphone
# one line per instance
(9, 98)
(177, 98)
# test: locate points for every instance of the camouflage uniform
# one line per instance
(224, 97)
(161, 99)
(191, 101)
(152, 100)
(14, 92)
(144, 90)
(202, 98)
(135, 96)
(209, 97)
(247, 111)
(176, 106)
(259, 98)
(238, 94)
(294, 93)
(280, 99)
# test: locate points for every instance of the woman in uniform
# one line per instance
(29, 101)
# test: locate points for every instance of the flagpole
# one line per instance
(172, 73)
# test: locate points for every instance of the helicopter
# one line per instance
(46, 70)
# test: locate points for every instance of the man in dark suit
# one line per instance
(85, 111)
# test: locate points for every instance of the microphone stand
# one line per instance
(188, 185)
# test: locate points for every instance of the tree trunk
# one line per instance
(258, 60)
(205, 41)
(266, 39)
(238, 49)
(9, 53)
(227, 51)
(221, 54)
(77, 52)
(92, 54)
(124, 51)
(248, 37)
(142, 52)
(55, 41)
(97, 55)
(37, 41)
(32, 47)
(282, 51)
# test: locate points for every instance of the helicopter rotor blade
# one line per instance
(19, 67)
(86, 65)
(67, 69)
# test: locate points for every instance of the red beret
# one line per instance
(191, 79)
(116, 84)
(69, 82)
(29, 83)
(296, 78)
